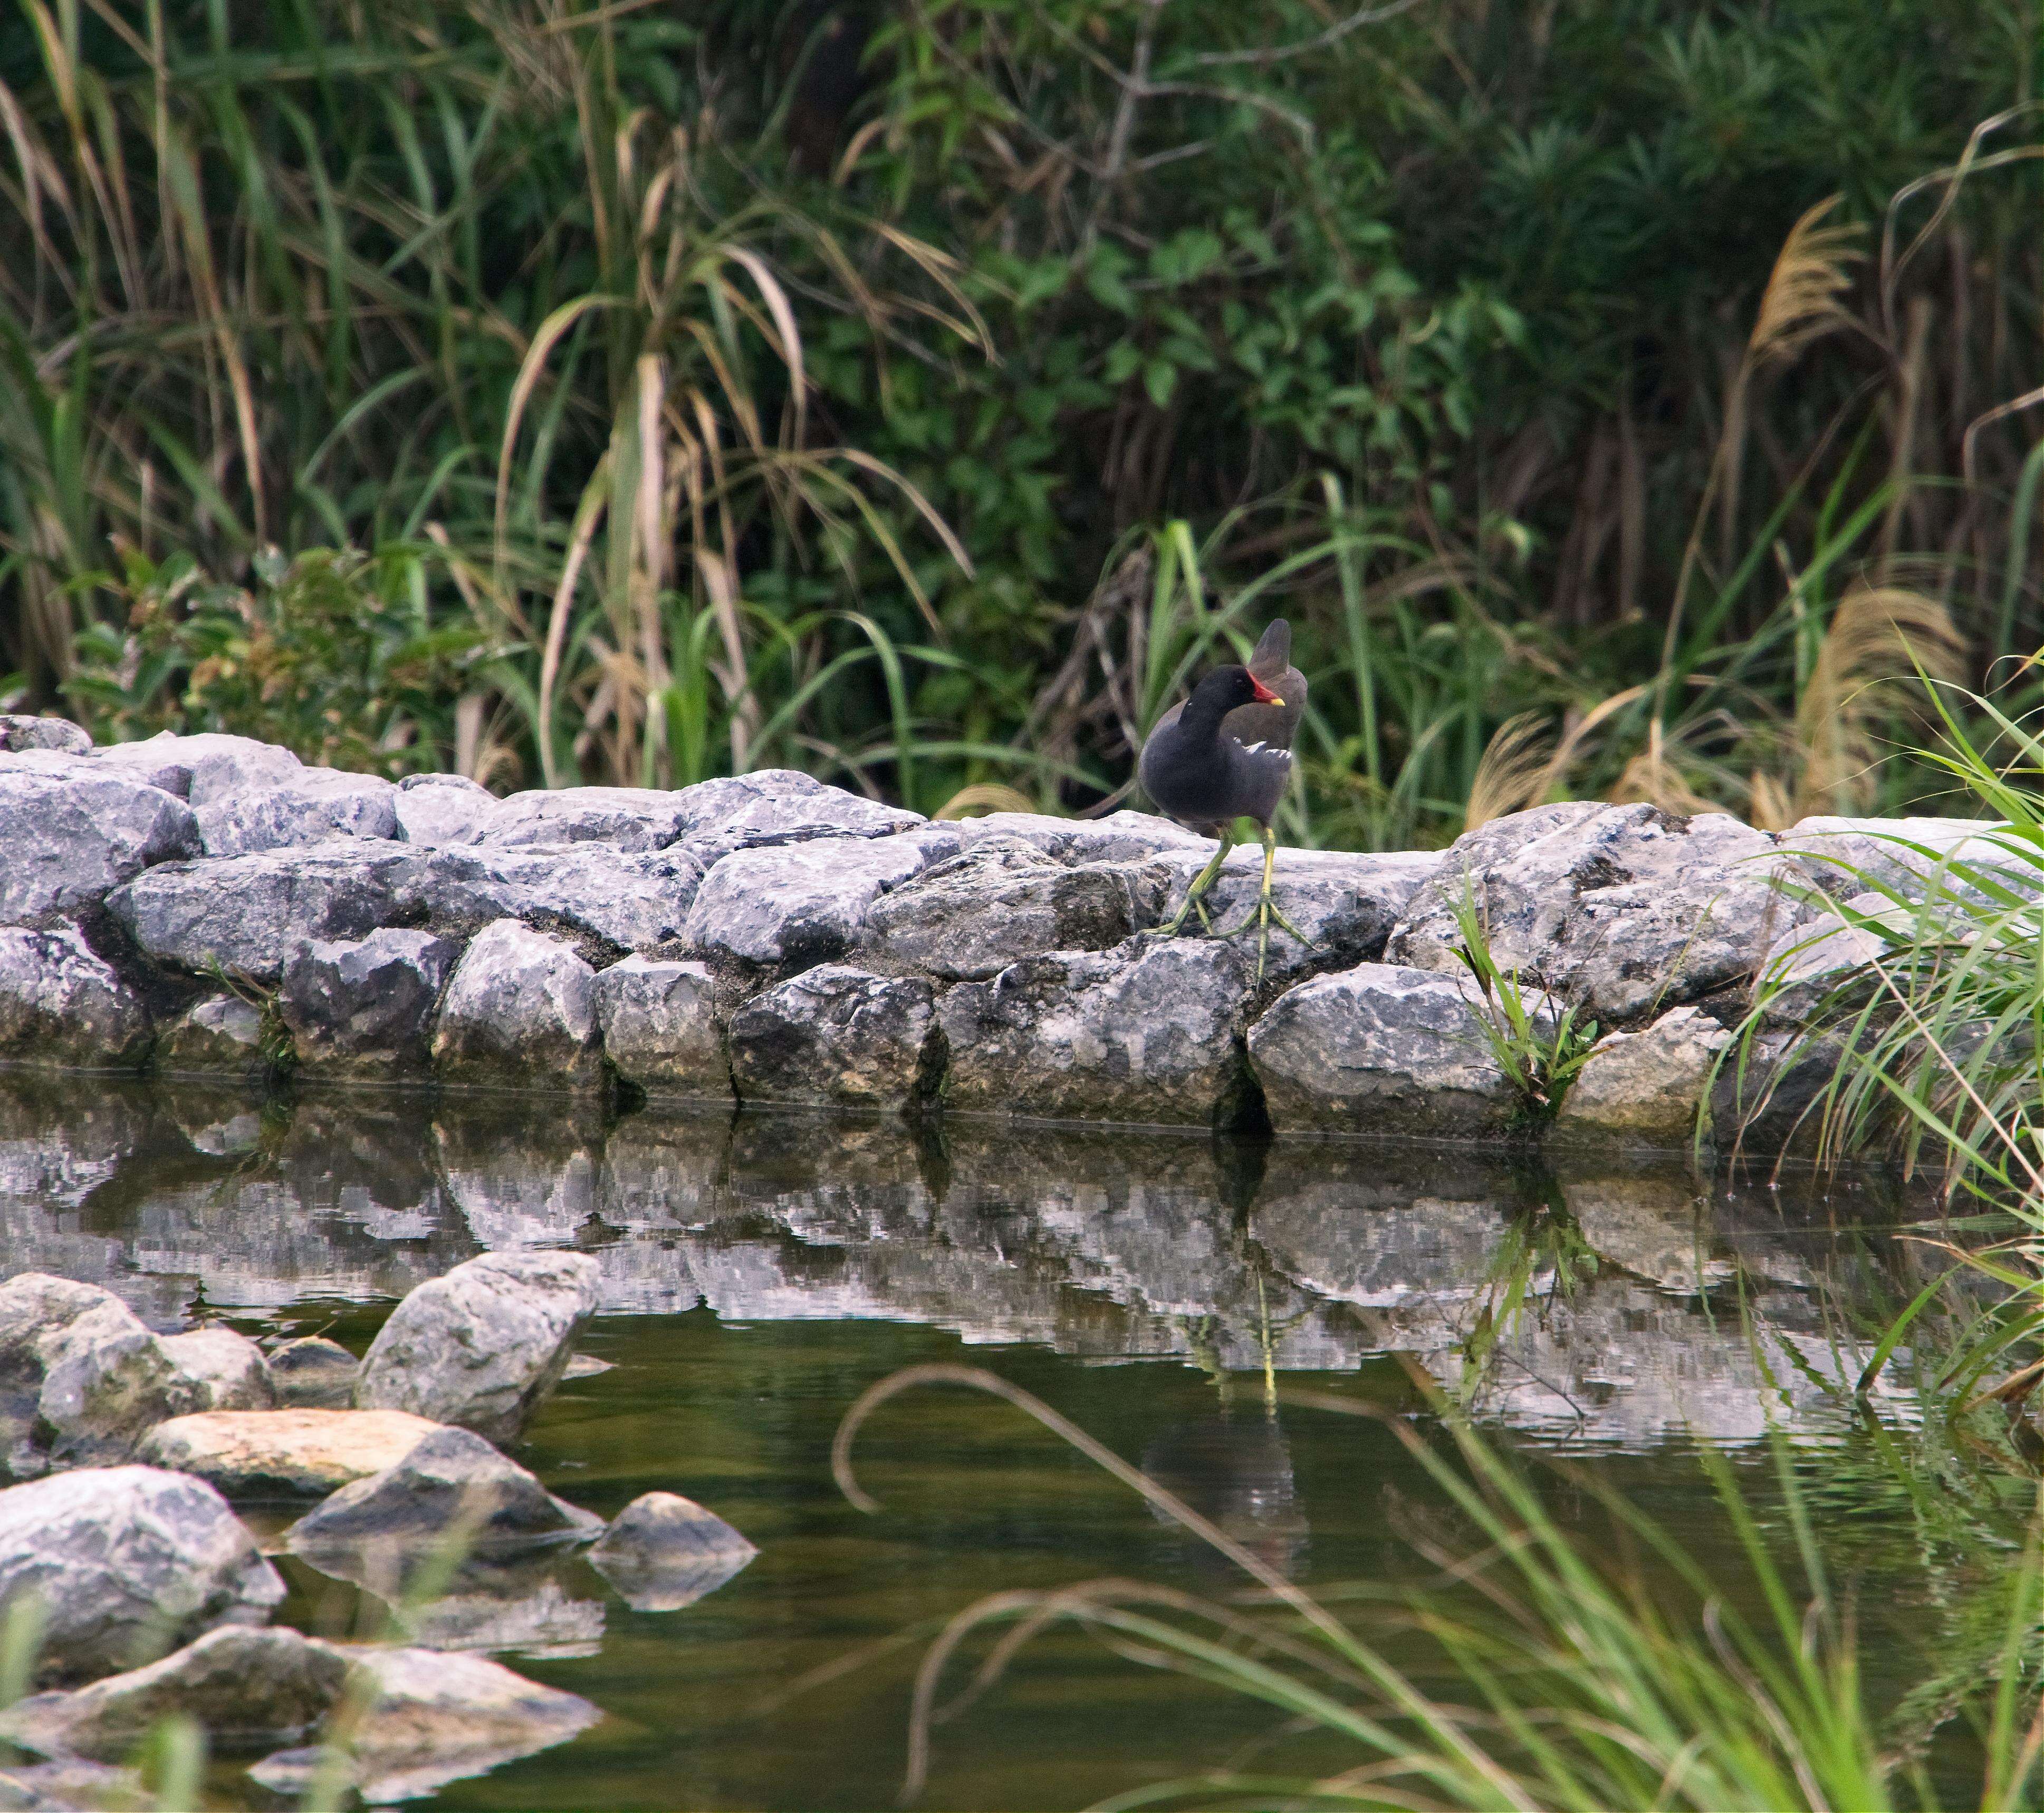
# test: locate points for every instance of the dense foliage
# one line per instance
(914, 389)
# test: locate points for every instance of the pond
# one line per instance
(1167, 1292)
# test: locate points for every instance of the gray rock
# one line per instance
(662, 1552)
(216, 765)
(1345, 904)
(1849, 856)
(314, 805)
(153, 762)
(247, 1689)
(59, 1004)
(219, 1369)
(366, 1003)
(807, 903)
(521, 1008)
(313, 1373)
(625, 818)
(482, 1346)
(629, 899)
(433, 1718)
(1769, 1093)
(968, 918)
(106, 1379)
(775, 806)
(660, 1027)
(1149, 1034)
(221, 1036)
(34, 1306)
(442, 809)
(526, 1612)
(1622, 909)
(71, 838)
(1380, 1050)
(1124, 836)
(838, 1036)
(1647, 1085)
(288, 1454)
(248, 915)
(128, 1562)
(17, 731)
(452, 1486)
(67, 1786)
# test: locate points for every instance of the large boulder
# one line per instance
(968, 918)
(778, 806)
(1622, 910)
(629, 899)
(71, 837)
(206, 767)
(807, 903)
(1648, 1085)
(1380, 1049)
(838, 1037)
(60, 1004)
(270, 1453)
(312, 806)
(365, 1003)
(660, 1027)
(127, 1562)
(520, 1007)
(483, 1346)
(662, 1552)
(1147, 1033)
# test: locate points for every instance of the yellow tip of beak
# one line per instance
(1274, 700)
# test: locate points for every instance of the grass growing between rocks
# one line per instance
(1539, 1044)
(1535, 1671)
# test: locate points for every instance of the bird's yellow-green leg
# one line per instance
(1266, 909)
(1201, 883)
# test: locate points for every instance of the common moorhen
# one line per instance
(1200, 773)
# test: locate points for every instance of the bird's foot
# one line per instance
(1262, 916)
(1172, 926)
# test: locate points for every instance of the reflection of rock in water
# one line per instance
(1236, 1471)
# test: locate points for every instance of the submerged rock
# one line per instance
(1145, 1033)
(71, 837)
(662, 1552)
(127, 1562)
(841, 1037)
(660, 1027)
(482, 1346)
(59, 1002)
(1381, 1049)
(366, 1003)
(1647, 1085)
(808, 903)
(271, 1454)
(521, 1008)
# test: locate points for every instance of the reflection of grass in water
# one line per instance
(1578, 1683)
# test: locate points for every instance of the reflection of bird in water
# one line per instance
(1236, 1472)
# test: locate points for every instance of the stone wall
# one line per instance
(208, 905)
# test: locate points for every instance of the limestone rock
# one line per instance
(248, 915)
(660, 1027)
(1124, 836)
(970, 917)
(34, 1306)
(631, 899)
(1146, 1035)
(625, 818)
(218, 1370)
(521, 1008)
(775, 806)
(67, 1785)
(1647, 1085)
(247, 1690)
(482, 1346)
(1821, 963)
(106, 1379)
(70, 838)
(442, 809)
(448, 1479)
(1849, 856)
(222, 1035)
(1769, 1095)
(313, 1373)
(215, 765)
(314, 806)
(808, 903)
(268, 1453)
(60, 1004)
(153, 762)
(17, 731)
(365, 1003)
(128, 1562)
(434, 1718)
(662, 1552)
(1380, 1049)
(838, 1036)
(1621, 910)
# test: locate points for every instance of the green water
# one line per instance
(1609, 1315)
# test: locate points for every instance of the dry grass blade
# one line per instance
(1515, 772)
(1801, 301)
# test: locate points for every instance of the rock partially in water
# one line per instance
(21, 731)
(107, 1380)
(1647, 1085)
(127, 1562)
(838, 1037)
(662, 1552)
(521, 1008)
(222, 1036)
(219, 1369)
(1151, 1032)
(807, 903)
(1621, 910)
(60, 1003)
(434, 1718)
(1381, 1049)
(451, 1488)
(1768, 1093)
(482, 1346)
(71, 837)
(313, 1373)
(366, 1004)
(248, 1690)
(285, 1454)
(312, 805)
(660, 1027)
(67, 1786)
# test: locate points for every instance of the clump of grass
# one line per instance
(1540, 1045)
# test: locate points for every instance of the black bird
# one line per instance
(1206, 777)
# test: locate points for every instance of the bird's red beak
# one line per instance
(1263, 695)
